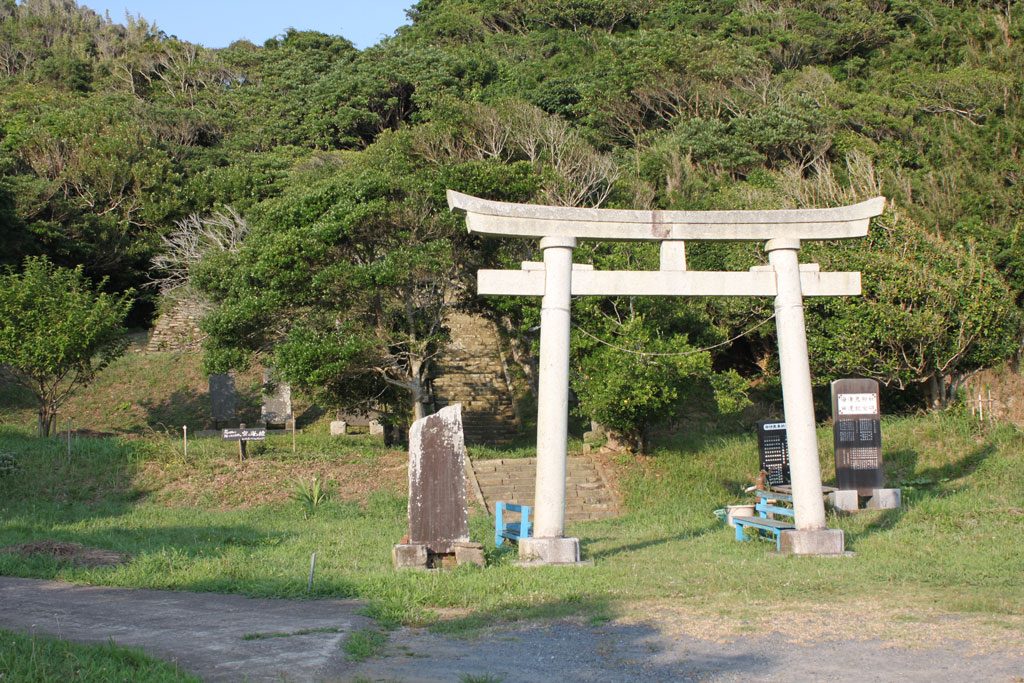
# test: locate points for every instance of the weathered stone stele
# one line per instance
(438, 516)
(277, 401)
(223, 398)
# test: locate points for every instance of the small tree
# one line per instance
(57, 332)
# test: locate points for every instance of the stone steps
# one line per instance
(512, 480)
(470, 372)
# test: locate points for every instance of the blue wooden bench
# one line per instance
(767, 504)
(513, 531)
(774, 527)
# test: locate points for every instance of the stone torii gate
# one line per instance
(556, 280)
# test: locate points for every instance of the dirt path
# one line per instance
(205, 634)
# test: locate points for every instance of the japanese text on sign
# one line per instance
(857, 404)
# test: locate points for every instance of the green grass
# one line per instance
(952, 544)
(364, 644)
(25, 659)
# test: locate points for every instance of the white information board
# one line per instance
(858, 404)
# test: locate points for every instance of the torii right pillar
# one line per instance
(810, 537)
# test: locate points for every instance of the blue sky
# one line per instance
(216, 23)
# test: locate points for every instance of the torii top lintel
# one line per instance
(531, 220)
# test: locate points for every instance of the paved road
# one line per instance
(204, 634)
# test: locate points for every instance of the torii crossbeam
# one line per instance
(556, 280)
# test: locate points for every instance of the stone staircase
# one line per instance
(470, 372)
(512, 480)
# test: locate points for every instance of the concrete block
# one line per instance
(845, 500)
(376, 428)
(557, 550)
(884, 499)
(812, 542)
(469, 553)
(339, 428)
(410, 556)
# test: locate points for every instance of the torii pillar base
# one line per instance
(812, 542)
(558, 550)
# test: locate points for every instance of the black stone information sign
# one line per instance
(771, 439)
(856, 412)
(254, 434)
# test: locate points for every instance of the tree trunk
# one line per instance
(934, 392)
(419, 410)
(46, 418)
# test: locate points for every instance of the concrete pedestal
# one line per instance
(558, 550)
(844, 500)
(410, 556)
(812, 542)
(469, 553)
(884, 499)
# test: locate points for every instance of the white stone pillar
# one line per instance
(553, 388)
(808, 504)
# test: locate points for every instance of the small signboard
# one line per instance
(771, 439)
(857, 435)
(245, 434)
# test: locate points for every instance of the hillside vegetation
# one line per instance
(336, 161)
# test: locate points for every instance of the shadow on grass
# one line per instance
(585, 543)
(191, 407)
(920, 487)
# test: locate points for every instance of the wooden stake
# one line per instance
(312, 568)
(241, 445)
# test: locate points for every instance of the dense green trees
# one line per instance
(109, 134)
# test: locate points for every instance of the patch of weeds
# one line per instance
(310, 495)
(364, 644)
(285, 634)
(8, 464)
(480, 678)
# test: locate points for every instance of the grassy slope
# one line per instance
(208, 523)
(952, 544)
(34, 658)
(139, 393)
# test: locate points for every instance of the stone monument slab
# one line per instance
(277, 401)
(857, 435)
(223, 398)
(438, 513)
(774, 449)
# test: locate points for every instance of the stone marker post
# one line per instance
(857, 434)
(223, 398)
(438, 513)
(277, 401)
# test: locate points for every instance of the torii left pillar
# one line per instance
(548, 544)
